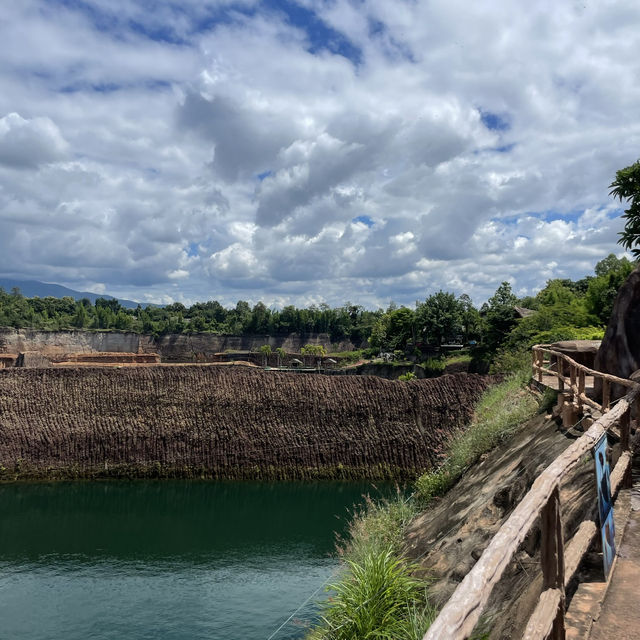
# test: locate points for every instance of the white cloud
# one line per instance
(29, 143)
(220, 149)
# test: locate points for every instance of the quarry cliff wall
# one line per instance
(195, 347)
(225, 422)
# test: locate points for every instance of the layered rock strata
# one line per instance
(195, 347)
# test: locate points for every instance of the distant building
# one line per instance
(522, 312)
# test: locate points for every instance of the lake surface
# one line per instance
(168, 560)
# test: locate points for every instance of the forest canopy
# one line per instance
(563, 309)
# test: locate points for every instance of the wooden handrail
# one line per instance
(625, 382)
(461, 613)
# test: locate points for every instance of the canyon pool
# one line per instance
(168, 560)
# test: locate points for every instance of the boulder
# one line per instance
(582, 351)
(619, 353)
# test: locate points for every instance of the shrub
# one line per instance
(568, 333)
(379, 598)
(407, 376)
(433, 366)
(509, 361)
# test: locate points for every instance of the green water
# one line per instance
(165, 560)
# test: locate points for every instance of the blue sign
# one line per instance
(608, 533)
(605, 507)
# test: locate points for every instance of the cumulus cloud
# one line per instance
(370, 150)
(29, 143)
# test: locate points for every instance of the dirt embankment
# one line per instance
(225, 422)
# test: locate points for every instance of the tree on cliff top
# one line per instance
(499, 316)
(626, 186)
(440, 317)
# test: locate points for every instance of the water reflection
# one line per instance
(171, 560)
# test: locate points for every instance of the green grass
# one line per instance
(347, 356)
(433, 366)
(458, 358)
(377, 525)
(378, 598)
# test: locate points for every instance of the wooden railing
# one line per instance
(559, 561)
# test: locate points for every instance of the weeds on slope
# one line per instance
(377, 595)
(501, 410)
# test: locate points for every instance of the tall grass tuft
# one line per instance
(377, 525)
(379, 598)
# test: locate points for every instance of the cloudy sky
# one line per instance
(301, 151)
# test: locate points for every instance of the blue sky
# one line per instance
(308, 151)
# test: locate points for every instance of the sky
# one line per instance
(297, 152)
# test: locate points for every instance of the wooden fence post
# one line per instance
(552, 557)
(625, 433)
(560, 371)
(581, 387)
(567, 411)
(540, 365)
(572, 378)
(534, 362)
(606, 395)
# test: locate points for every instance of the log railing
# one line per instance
(559, 561)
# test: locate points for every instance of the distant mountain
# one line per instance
(33, 288)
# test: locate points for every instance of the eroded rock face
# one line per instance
(225, 422)
(32, 360)
(619, 352)
(195, 347)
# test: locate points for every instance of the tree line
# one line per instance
(564, 309)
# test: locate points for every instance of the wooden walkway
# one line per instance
(619, 617)
(552, 383)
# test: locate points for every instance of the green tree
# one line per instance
(626, 186)
(123, 321)
(313, 350)
(499, 316)
(401, 328)
(265, 350)
(439, 317)
(81, 317)
(603, 289)
(280, 353)
(469, 319)
(378, 337)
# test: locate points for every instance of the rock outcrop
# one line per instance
(195, 347)
(619, 353)
(32, 360)
(225, 422)
(582, 351)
